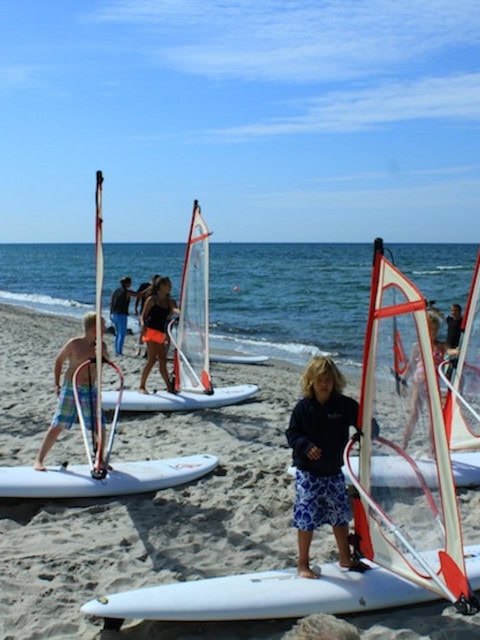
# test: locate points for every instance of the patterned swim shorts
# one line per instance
(66, 413)
(320, 500)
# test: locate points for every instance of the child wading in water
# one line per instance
(76, 351)
(318, 433)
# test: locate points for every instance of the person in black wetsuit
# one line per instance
(119, 303)
(159, 307)
(318, 433)
(454, 324)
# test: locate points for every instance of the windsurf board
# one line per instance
(272, 594)
(75, 481)
(183, 401)
(396, 472)
(238, 359)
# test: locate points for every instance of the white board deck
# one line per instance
(185, 401)
(396, 472)
(272, 594)
(76, 481)
(238, 359)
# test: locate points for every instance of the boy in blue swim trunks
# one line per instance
(76, 351)
(318, 433)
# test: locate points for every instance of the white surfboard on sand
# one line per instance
(388, 472)
(237, 359)
(271, 594)
(398, 473)
(75, 481)
(182, 401)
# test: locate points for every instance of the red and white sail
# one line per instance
(192, 356)
(462, 407)
(414, 532)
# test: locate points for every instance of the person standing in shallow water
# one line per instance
(318, 433)
(119, 311)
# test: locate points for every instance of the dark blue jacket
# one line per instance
(327, 427)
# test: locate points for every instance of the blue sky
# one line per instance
(308, 120)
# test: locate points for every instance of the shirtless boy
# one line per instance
(76, 351)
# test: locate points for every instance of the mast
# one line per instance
(99, 460)
(99, 467)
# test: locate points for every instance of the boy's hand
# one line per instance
(314, 453)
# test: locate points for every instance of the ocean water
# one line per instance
(288, 301)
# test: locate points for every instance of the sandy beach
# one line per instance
(58, 554)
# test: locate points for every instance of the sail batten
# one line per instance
(413, 532)
(192, 357)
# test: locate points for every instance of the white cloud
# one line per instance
(296, 40)
(448, 98)
(17, 76)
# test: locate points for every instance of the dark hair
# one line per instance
(154, 288)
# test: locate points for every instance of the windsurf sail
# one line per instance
(415, 532)
(462, 406)
(98, 452)
(192, 357)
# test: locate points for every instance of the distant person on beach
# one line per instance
(416, 370)
(119, 311)
(318, 433)
(454, 323)
(159, 308)
(76, 351)
(140, 303)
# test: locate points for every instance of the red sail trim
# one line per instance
(400, 359)
(201, 237)
(455, 579)
(400, 309)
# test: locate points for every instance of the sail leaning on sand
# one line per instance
(462, 406)
(192, 358)
(415, 532)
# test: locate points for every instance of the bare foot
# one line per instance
(306, 572)
(39, 466)
(143, 390)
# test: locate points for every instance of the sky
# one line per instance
(289, 120)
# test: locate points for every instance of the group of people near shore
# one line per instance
(155, 308)
(317, 433)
